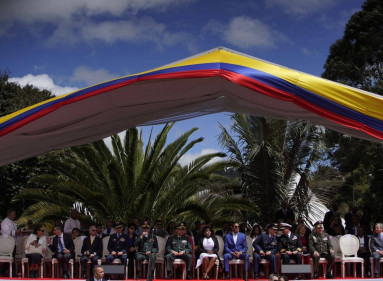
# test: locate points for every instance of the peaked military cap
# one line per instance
(180, 225)
(318, 224)
(272, 225)
(284, 225)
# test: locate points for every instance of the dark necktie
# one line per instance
(61, 246)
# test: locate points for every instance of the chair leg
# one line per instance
(10, 270)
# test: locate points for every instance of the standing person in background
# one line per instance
(35, 248)
(348, 217)
(109, 230)
(224, 230)
(158, 229)
(285, 214)
(328, 216)
(8, 226)
(72, 222)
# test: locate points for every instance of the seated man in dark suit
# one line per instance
(118, 245)
(91, 250)
(377, 247)
(235, 248)
(147, 247)
(63, 248)
(265, 247)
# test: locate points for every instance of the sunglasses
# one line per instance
(236, 226)
(181, 228)
(145, 227)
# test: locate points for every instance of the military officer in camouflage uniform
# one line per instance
(178, 247)
(289, 245)
(265, 247)
(320, 247)
(144, 243)
(118, 245)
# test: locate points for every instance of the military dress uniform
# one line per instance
(321, 243)
(178, 244)
(266, 242)
(144, 244)
(118, 243)
(290, 242)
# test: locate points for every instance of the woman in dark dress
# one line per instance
(208, 247)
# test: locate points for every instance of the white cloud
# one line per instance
(54, 11)
(300, 7)
(189, 157)
(74, 21)
(135, 30)
(246, 32)
(43, 82)
(90, 77)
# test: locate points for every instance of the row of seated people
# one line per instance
(179, 246)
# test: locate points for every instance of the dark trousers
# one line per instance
(84, 260)
(271, 258)
(63, 260)
(286, 258)
(110, 258)
(140, 257)
(34, 258)
(330, 259)
(187, 258)
(376, 257)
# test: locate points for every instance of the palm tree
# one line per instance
(272, 155)
(127, 181)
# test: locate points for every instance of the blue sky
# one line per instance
(66, 45)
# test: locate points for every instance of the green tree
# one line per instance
(275, 159)
(15, 176)
(357, 60)
(129, 181)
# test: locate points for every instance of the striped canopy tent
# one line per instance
(219, 80)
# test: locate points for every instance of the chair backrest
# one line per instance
(7, 244)
(221, 245)
(349, 245)
(161, 246)
(249, 242)
(335, 245)
(20, 247)
(78, 246)
(105, 242)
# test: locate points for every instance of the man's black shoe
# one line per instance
(84, 276)
(138, 276)
(255, 275)
(315, 276)
(169, 275)
(376, 275)
(188, 277)
(329, 276)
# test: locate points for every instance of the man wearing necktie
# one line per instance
(91, 250)
(63, 249)
(265, 247)
(377, 247)
(118, 245)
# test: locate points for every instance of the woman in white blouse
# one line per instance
(35, 248)
(208, 248)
